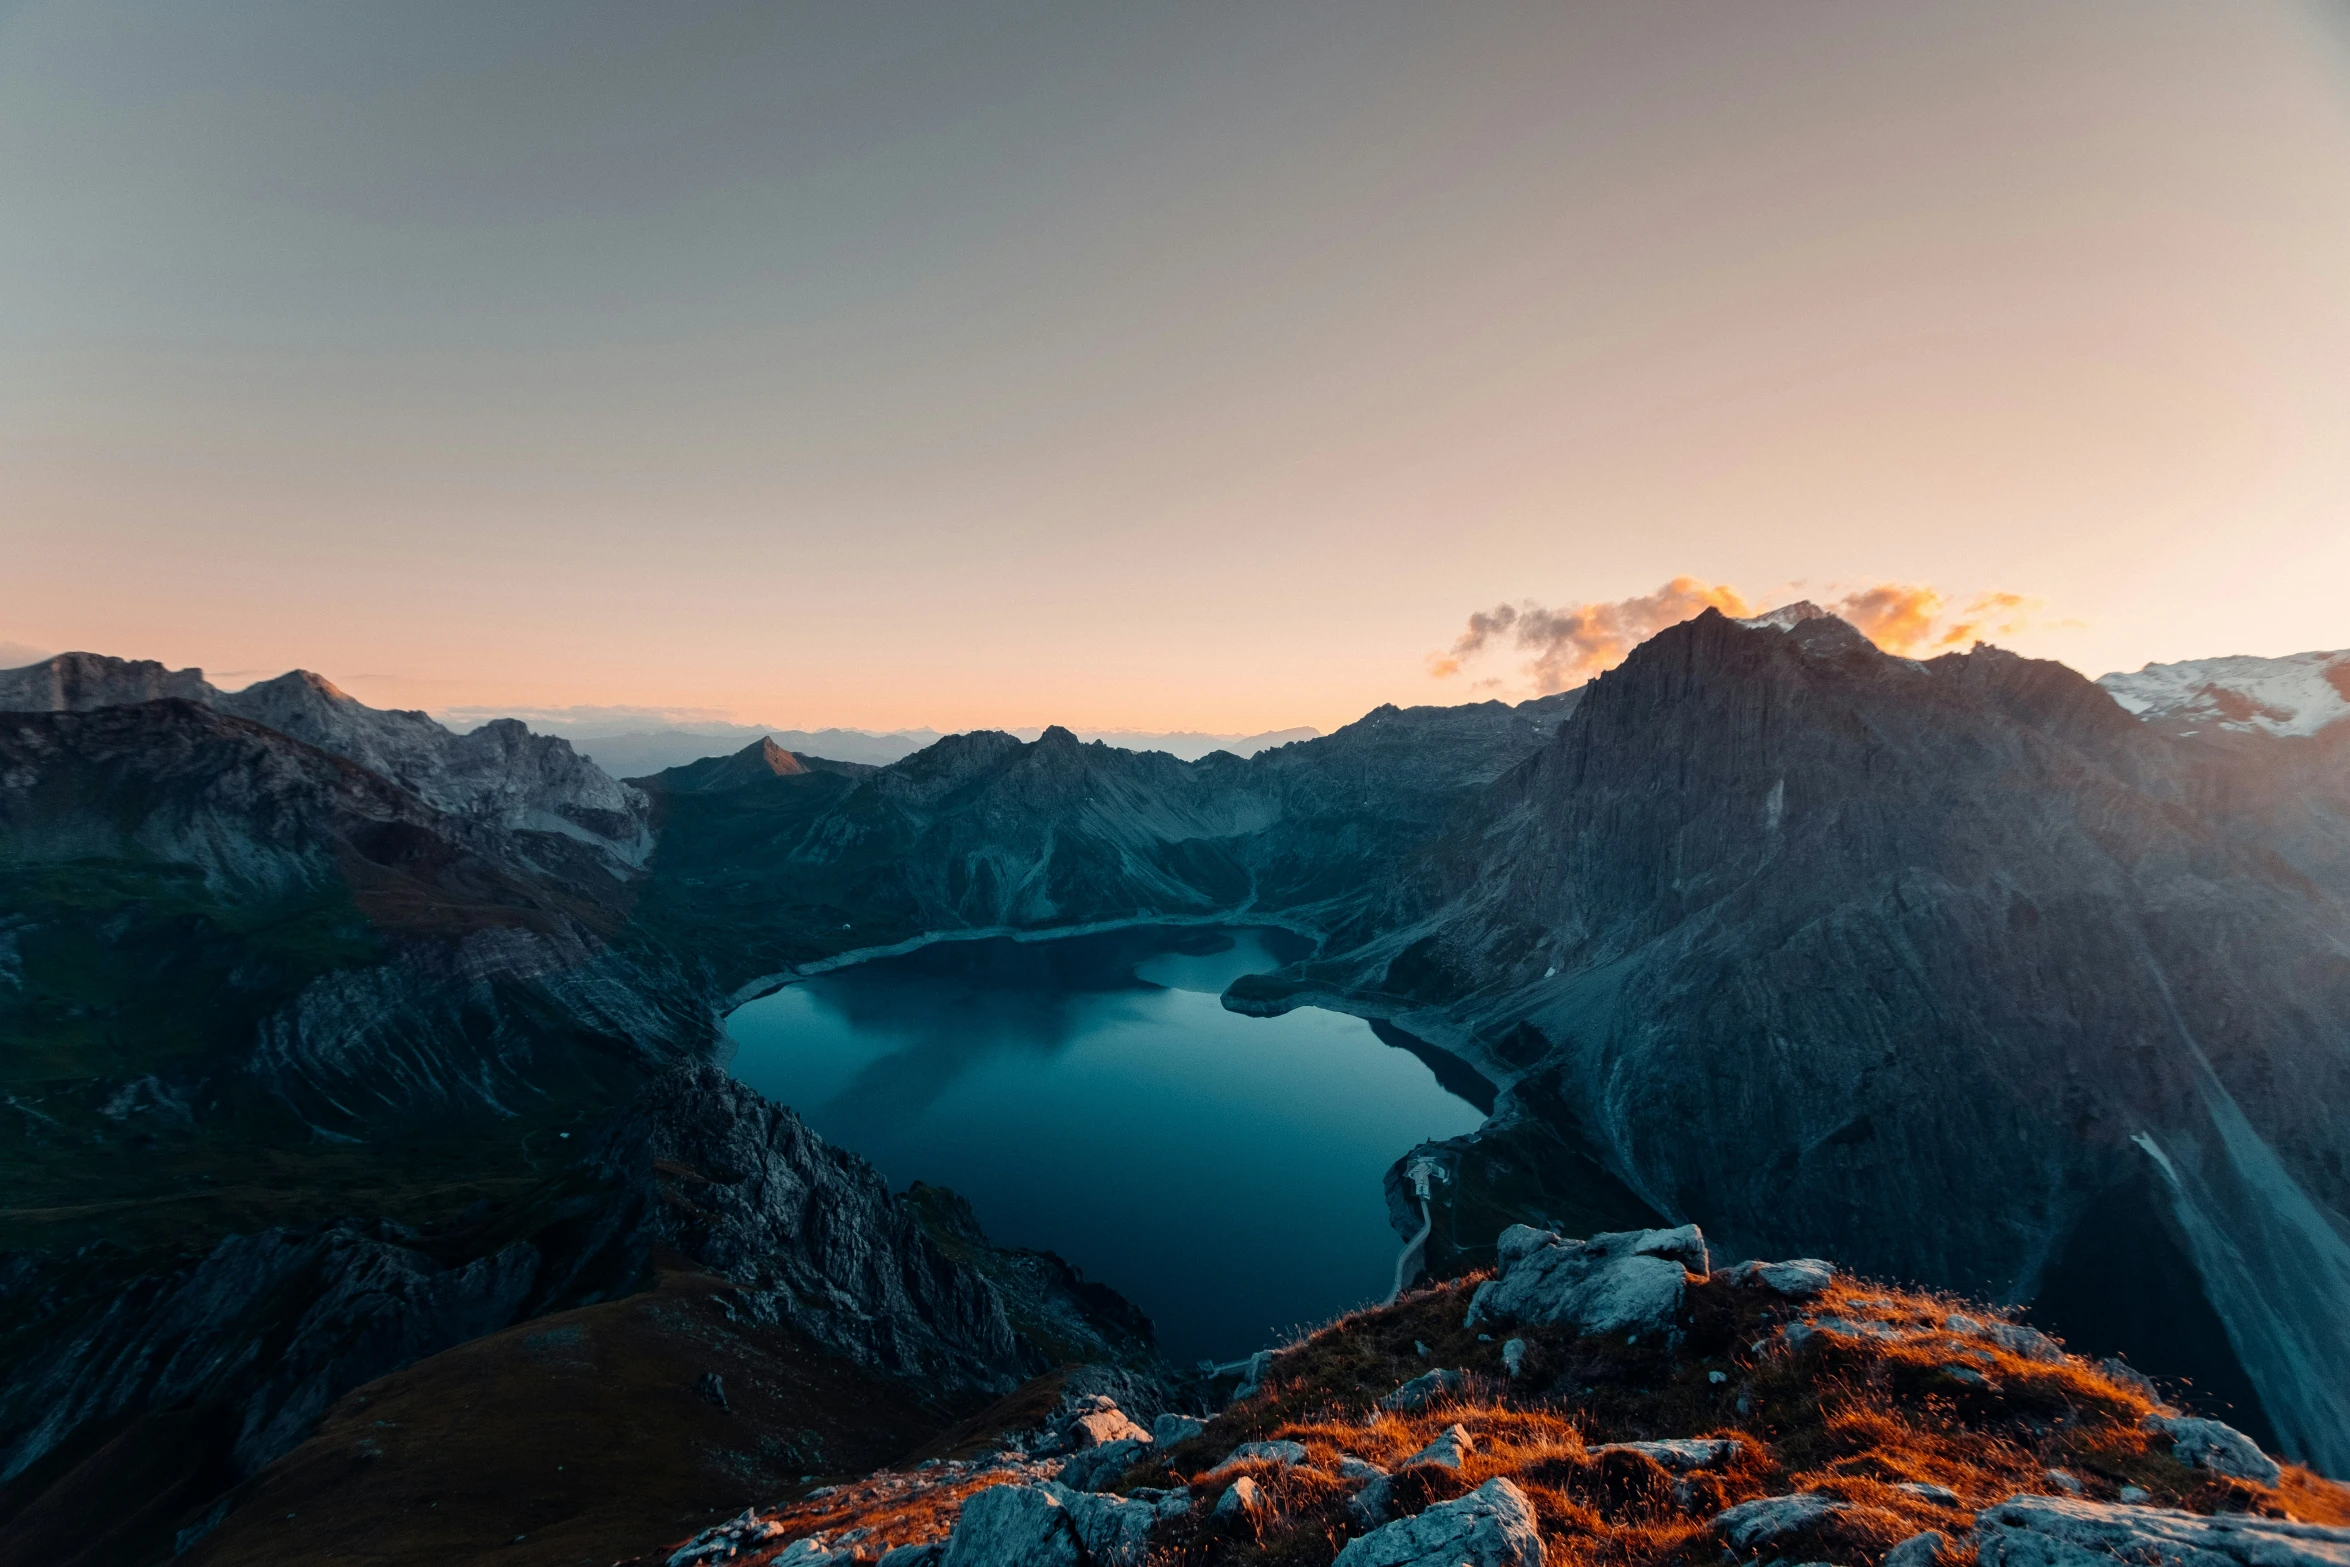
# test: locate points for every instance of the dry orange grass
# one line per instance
(1855, 1414)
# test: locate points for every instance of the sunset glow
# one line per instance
(1157, 367)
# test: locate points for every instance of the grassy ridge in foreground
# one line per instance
(1851, 1414)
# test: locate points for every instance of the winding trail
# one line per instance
(1419, 1172)
(1411, 1251)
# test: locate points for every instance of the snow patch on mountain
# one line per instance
(1787, 616)
(2296, 695)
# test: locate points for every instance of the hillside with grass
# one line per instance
(1778, 1412)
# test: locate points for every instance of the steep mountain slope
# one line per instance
(203, 1370)
(1917, 964)
(332, 940)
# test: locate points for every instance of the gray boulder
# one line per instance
(2052, 1531)
(1092, 1422)
(1798, 1278)
(1243, 1498)
(1756, 1523)
(2218, 1447)
(1919, 1550)
(1283, 1453)
(1116, 1530)
(1014, 1526)
(927, 1555)
(1493, 1526)
(1369, 1507)
(1099, 1466)
(1167, 1430)
(2030, 1343)
(1425, 1389)
(1451, 1447)
(1631, 1279)
(1680, 1454)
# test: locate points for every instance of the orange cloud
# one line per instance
(1571, 645)
(1912, 620)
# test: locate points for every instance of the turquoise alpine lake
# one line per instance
(1091, 1096)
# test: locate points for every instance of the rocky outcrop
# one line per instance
(2054, 1531)
(499, 775)
(1493, 1526)
(811, 1232)
(1040, 1525)
(1425, 1389)
(1752, 1525)
(1630, 1280)
(2218, 1447)
(467, 960)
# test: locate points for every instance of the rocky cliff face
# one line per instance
(1916, 963)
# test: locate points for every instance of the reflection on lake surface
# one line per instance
(1091, 1095)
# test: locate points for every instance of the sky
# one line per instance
(1164, 366)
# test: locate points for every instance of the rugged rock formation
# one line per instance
(1610, 1283)
(262, 1334)
(79, 682)
(985, 831)
(360, 953)
(815, 1237)
(500, 776)
(2058, 1531)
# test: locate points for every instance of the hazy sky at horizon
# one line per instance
(1164, 366)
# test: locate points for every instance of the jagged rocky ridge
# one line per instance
(499, 775)
(260, 1335)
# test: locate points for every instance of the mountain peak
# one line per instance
(2298, 694)
(81, 682)
(1787, 616)
(778, 762)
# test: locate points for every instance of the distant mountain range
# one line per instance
(1967, 971)
(640, 752)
